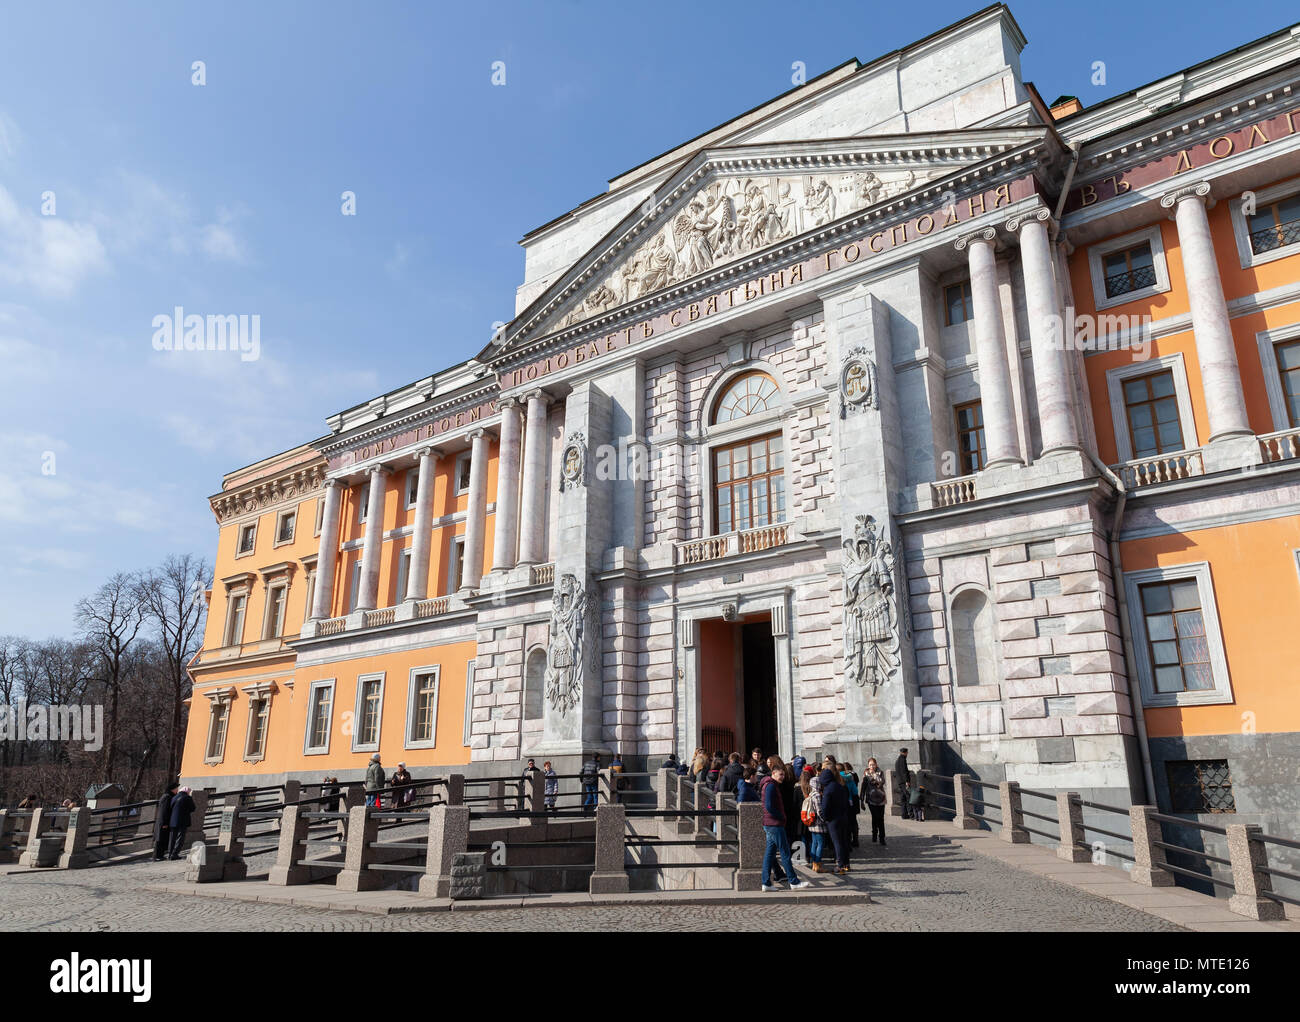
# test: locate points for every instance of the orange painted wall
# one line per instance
(1257, 590)
(288, 722)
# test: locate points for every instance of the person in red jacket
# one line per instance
(774, 827)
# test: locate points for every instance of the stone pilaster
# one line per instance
(417, 582)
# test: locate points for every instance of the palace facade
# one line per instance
(905, 408)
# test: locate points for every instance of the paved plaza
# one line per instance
(919, 883)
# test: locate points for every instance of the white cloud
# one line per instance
(48, 254)
(142, 216)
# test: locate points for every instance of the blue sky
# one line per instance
(225, 199)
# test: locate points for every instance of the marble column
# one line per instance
(991, 351)
(374, 540)
(476, 522)
(532, 514)
(505, 539)
(1052, 385)
(323, 596)
(417, 582)
(1220, 377)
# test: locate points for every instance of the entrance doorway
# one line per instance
(738, 685)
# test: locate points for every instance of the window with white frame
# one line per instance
(218, 719)
(747, 454)
(1279, 357)
(363, 502)
(469, 701)
(1266, 224)
(462, 471)
(259, 722)
(456, 569)
(320, 709)
(1151, 407)
(403, 574)
(285, 523)
(1176, 636)
(1128, 268)
(310, 591)
(320, 515)
(535, 684)
(354, 593)
(247, 540)
(422, 708)
(412, 486)
(369, 713)
(236, 605)
(276, 598)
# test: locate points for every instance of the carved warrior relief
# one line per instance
(858, 382)
(567, 646)
(871, 642)
(730, 218)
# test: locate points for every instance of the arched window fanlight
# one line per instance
(746, 394)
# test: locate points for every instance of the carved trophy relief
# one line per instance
(730, 218)
(569, 643)
(871, 638)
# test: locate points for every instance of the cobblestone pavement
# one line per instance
(918, 883)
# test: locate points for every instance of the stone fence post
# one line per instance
(40, 852)
(496, 795)
(1069, 820)
(9, 836)
(610, 874)
(292, 791)
(537, 792)
(354, 795)
(363, 831)
(753, 843)
(685, 802)
(456, 790)
(448, 836)
(895, 807)
(199, 820)
(230, 845)
(1249, 857)
(964, 797)
(1148, 857)
(667, 800)
(703, 824)
(1013, 813)
(74, 845)
(288, 869)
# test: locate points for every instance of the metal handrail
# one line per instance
(1176, 821)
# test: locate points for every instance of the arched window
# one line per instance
(746, 394)
(974, 652)
(534, 684)
(749, 473)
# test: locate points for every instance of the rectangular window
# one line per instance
(319, 707)
(403, 574)
(284, 528)
(235, 620)
(217, 730)
(320, 514)
(363, 502)
(463, 464)
(1275, 225)
(1176, 641)
(424, 707)
(259, 716)
(275, 600)
(1129, 269)
(311, 595)
(370, 694)
(1151, 406)
(355, 593)
(1200, 786)
(247, 538)
(1288, 371)
(957, 303)
(469, 700)
(970, 436)
(457, 574)
(749, 484)
(412, 487)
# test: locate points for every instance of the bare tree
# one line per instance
(111, 620)
(175, 609)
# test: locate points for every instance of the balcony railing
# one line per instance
(375, 618)
(543, 574)
(731, 544)
(431, 608)
(1278, 236)
(1281, 446)
(257, 647)
(953, 491)
(1130, 280)
(332, 626)
(1163, 468)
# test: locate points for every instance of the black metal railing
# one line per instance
(1277, 236)
(1130, 280)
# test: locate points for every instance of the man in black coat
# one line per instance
(182, 813)
(835, 811)
(902, 781)
(162, 819)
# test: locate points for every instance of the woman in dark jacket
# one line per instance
(181, 815)
(162, 819)
(835, 810)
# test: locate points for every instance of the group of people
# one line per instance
(172, 819)
(401, 783)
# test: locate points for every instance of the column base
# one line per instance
(609, 883)
(1231, 451)
(1014, 837)
(748, 880)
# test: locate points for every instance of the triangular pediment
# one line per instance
(727, 204)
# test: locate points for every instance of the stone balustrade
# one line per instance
(1281, 446)
(1164, 468)
(950, 492)
(732, 544)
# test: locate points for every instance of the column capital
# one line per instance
(380, 470)
(335, 484)
(475, 434)
(538, 395)
(513, 401)
(428, 451)
(985, 234)
(1040, 214)
(1196, 189)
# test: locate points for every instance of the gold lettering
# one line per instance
(731, 297)
(531, 371)
(1003, 193)
(475, 414)
(595, 350)
(951, 212)
(1087, 195)
(1255, 129)
(871, 241)
(711, 305)
(515, 378)
(428, 431)
(829, 256)
(1184, 162)
(1119, 184)
(444, 425)
(796, 274)
(628, 333)
(1290, 122)
(671, 320)
(578, 354)
(750, 293)
(693, 311)
(1218, 155)
(894, 240)
(546, 366)
(647, 330)
(855, 249)
(460, 418)
(970, 204)
(561, 360)
(609, 343)
(922, 220)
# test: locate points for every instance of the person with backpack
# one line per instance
(778, 846)
(590, 778)
(811, 813)
(835, 811)
(873, 783)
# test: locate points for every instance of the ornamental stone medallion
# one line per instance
(858, 382)
(573, 462)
